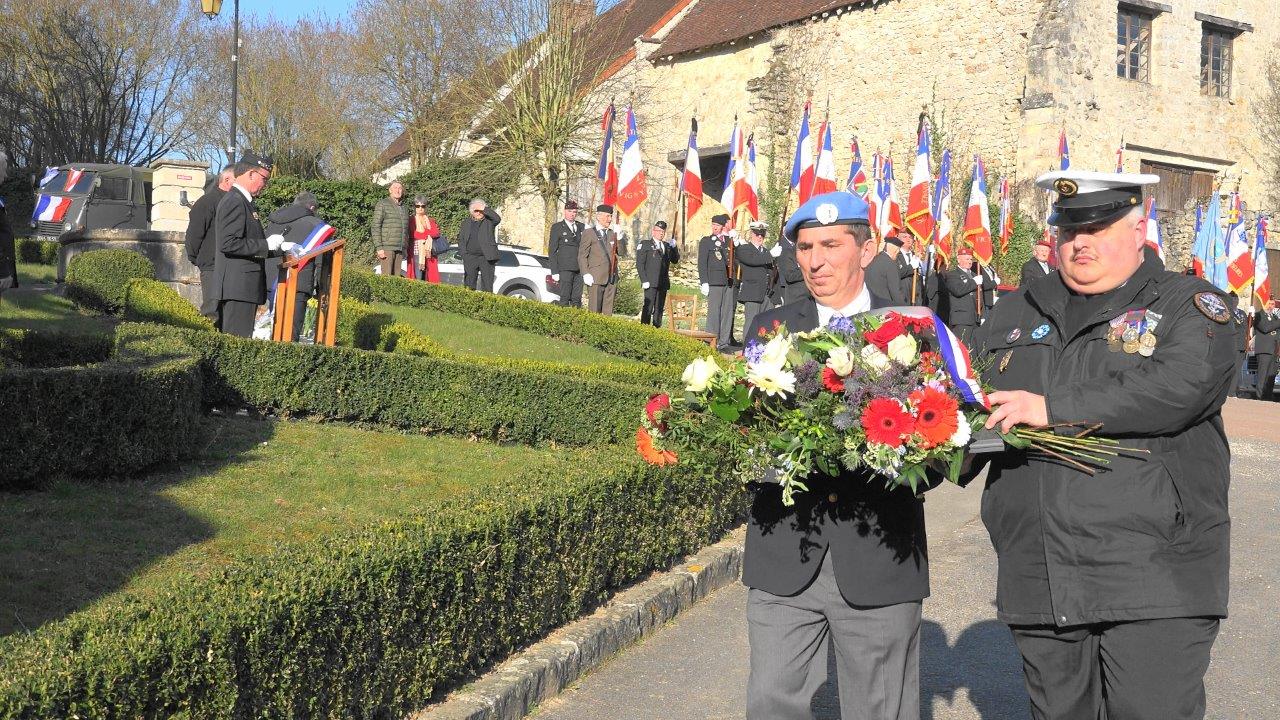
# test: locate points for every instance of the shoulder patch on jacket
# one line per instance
(1212, 306)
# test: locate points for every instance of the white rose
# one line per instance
(840, 360)
(875, 359)
(902, 350)
(775, 351)
(963, 433)
(698, 375)
(772, 380)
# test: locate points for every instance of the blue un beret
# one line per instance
(834, 208)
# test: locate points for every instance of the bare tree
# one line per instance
(1269, 126)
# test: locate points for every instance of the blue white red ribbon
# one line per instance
(51, 208)
(956, 357)
(319, 235)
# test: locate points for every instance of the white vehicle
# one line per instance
(519, 273)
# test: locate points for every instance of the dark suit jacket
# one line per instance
(988, 288)
(478, 238)
(962, 293)
(563, 246)
(653, 262)
(876, 537)
(1266, 330)
(200, 242)
(883, 279)
(239, 263)
(754, 268)
(1031, 271)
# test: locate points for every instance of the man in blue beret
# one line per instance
(846, 563)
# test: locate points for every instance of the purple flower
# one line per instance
(841, 324)
(753, 351)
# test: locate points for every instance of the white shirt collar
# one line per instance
(1044, 266)
(860, 304)
(243, 192)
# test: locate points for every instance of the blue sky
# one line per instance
(290, 10)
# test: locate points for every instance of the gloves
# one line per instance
(1248, 309)
(274, 242)
(644, 285)
(555, 276)
(977, 280)
(588, 280)
(706, 289)
(291, 248)
(776, 250)
(915, 262)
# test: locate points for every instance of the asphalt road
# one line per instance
(696, 669)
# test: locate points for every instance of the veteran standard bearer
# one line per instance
(1113, 582)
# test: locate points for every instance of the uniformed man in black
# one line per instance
(200, 243)
(755, 265)
(789, 286)
(989, 279)
(1112, 582)
(566, 235)
(1240, 321)
(240, 274)
(1038, 266)
(883, 276)
(961, 288)
(654, 256)
(715, 275)
(909, 269)
(1266, 329)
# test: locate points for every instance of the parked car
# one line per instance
(519, 274)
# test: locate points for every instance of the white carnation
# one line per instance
(699, 374)
(963, 433)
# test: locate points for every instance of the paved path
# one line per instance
(695, 668)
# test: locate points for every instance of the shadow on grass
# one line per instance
(68, 543)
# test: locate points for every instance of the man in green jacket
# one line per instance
(388, 229)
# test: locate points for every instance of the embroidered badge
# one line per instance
(1040, 331)
(1211, 306)
(827, 213)
(1014, 334)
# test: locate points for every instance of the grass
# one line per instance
(36, 305)
(252, 484)
(465, 335)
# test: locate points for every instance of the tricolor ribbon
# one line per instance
(956, 357)
(319, 235)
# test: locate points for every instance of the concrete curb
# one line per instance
(519, 684)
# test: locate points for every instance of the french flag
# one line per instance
(607, 170)
(633, 185)
(977, 220)
(752, 184)
(824, 172)
(943, 229)
(731, 174)
(691, 179)
(892, 208)
(1154, 240)
(920, 219)
(51, 208)
(73, 177)
(802, 170)
(318, 236)
(956, 357)
(1261, 269)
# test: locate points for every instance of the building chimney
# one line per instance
(574, 13)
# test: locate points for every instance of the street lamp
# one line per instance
(210, 8)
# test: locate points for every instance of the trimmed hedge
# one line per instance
(98, 279)
(616, 336)
(103, 420)
(376, 622)
(40, 252)
(154, 301)
(40, 349)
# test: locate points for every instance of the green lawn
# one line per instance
(252, 484)
(37, 305)
(465, 335)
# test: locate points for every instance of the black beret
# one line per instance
(604, 209)
(720, 219)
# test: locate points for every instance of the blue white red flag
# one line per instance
(691, 178)
(607, 169)
(802, 169)
(1064, 154)
(891, 210)
(920, 218)
(317, 237)
(977, 219)
(49, 174)
(1006, 215)
(956, 358)
(1261, 268)
(1154, 239)
(732, 174)
(51, 208)
(824, 169)
(943, 230)
(857, 182)
(752, 185)
(1239, 251)
(633, 186)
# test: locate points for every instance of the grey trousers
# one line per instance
(877, 653)
(749, 310)
(1139, 670)
(208, 303)
(720, 311)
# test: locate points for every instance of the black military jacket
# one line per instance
(1266, 328)
(563, 246)
(653, 262)
(714, 260)
(200, 241)
(240, 261)
(962, 308)
(1149, 535)
(790, 286)
(755, 265)
(876, 537)
(1032, 271)
(883, 279)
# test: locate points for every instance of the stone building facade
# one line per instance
(997, 79)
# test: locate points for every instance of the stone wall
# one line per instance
(164, 249)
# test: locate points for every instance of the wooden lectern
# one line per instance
(326, 294)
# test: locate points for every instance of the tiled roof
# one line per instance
(713, 22)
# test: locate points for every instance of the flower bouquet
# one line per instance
(891, 395)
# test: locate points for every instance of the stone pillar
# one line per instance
(168, 179)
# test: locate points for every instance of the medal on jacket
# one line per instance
(1114, 333)
(1132, 331)
(1147, 341)
(1004, 361)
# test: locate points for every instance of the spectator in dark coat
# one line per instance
(562, 247)
(1266, 331)
(1038, 266)
(478, 244)
(200, 242)
(961, 286)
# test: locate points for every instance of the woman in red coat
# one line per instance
(424, 243)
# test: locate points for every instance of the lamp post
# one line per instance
(211, 9)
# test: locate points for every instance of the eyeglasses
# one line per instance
(419, 206)
(265, 176)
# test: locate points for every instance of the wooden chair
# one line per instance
(684, 309)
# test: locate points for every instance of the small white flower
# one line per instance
(775, 351)
(771, 380)
(840, 360)
(902, 350)
(963, 433)
(875, 359)
(699, 374)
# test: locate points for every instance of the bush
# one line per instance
(152, 300)
(40, 252)
(630, 298)
(19, 201)
(355, 284)
(40, 349)
(616, 336)
(102, 420)
(376, 622)
(98, 279)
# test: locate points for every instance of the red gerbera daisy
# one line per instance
(650, 452)
(936, 419)
(656, 404)
(886, 421)
(832, 381)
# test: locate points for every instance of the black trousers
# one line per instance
(570, 288)
(655, 303)
(299, 312)
(208, 303)
(235, 317)
(477, 273)
(1241, 358)
(1139, 670)
(1266, 376)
